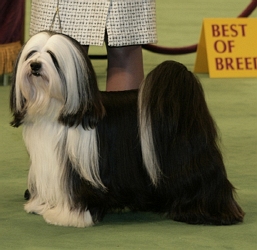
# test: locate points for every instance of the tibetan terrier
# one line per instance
(91, 152)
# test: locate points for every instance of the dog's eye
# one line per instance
(53, 58)
(30, 54)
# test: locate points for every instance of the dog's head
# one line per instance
(53, 77)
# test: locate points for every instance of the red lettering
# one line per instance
(255, 62)
(243, 28)
(225, 30)
(239, 63)
(248, 63)
(228, 62)
(215, 30)
(230, 45)
(220, 46)
(219, 64)
(234, 31)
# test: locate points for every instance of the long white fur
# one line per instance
(147, 145)
(54, 93)
(46, 98)
(48, 196)
(44, 180)
(84, 161)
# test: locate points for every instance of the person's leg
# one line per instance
(125, 68)
(85, 47)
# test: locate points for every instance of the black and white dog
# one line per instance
(91, 152)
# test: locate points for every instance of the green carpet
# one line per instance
(232, 102)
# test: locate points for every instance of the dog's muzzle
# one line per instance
(35, 68)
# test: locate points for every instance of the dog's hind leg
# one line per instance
(185, 163)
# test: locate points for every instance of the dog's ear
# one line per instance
(17, 103)
(89, 109)
(82, 97)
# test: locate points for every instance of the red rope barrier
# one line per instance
(249, 9)
(192, 48)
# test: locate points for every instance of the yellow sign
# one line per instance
(228, 48)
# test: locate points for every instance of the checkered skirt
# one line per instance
(127, 22)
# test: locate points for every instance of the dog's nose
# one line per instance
(35, 67)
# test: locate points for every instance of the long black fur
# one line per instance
(193, 186)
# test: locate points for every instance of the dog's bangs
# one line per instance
(36, 43)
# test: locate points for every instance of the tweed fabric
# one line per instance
(127, 22)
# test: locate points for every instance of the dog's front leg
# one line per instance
(35, 206)
(63, 215)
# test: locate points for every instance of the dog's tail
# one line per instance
(180, 148)
(171, 102)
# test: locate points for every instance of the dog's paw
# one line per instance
(35, 207)
(63, 216)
